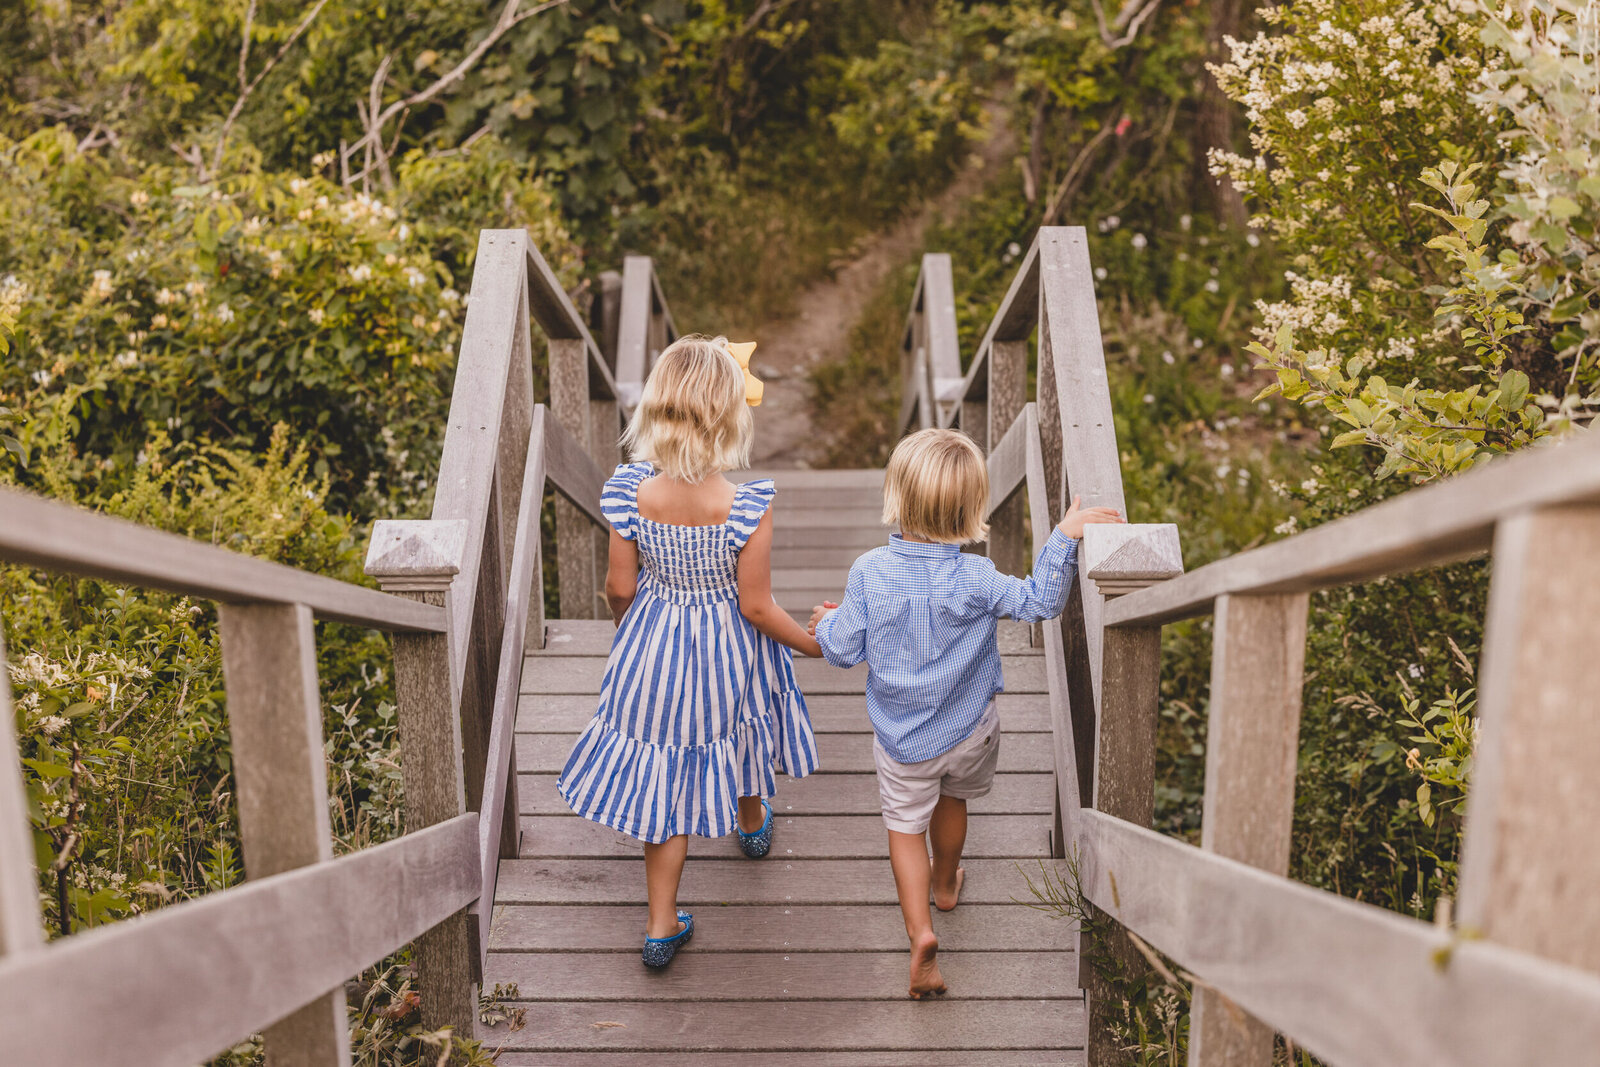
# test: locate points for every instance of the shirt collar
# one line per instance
(931, 550)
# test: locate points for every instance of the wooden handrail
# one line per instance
(930, 352)
(69, 540)
(644, 327)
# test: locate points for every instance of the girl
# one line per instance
(699, 702)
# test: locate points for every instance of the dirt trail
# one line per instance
(785, 435)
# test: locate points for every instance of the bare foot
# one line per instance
(946, 900)
(925, 976)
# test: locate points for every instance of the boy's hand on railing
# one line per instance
(816, 615)
(1076, 518)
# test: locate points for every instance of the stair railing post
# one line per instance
(576, 572)
(1528, 865)
(1252, 736)
(21, 923)
(269, 663)
(418, 560)
(1008, 394)
(1119, 560)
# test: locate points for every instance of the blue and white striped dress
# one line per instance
(697, 707)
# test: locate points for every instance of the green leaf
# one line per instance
(1513, 390)
(1348, 438)
(1564, 207)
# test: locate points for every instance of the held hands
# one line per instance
(816, 615)
(1076, 518)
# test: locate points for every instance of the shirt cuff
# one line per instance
(1062, 546)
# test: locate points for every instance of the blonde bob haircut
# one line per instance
(937, 487)
(692, 420)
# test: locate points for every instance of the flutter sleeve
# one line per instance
(619, 499)
(749, 504)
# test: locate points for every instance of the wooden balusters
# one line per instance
(576, 568)
(21, 927)
(1252, 735)
(1118, 560)
(1529, 869)
(1008, 394)
(269, 661)
(418, 560)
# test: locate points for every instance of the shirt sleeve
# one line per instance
(842, 633)
(1042, 594)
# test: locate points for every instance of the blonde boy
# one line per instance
(922, 614)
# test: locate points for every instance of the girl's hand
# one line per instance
(1076, 518)
(817, 614)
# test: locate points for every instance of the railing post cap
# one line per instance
(1120, 558)
(416, 555)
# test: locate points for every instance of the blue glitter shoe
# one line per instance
(658, 951)
(759, 843)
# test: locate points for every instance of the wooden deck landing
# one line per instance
(800, 957)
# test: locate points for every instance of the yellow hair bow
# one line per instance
(753, 386)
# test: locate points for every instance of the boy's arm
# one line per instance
(842, 632)
(1042, 594)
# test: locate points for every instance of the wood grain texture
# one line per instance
(795, 837)
(1383, 988)
(21, 925)
(1529, 870)
(710, 882)
(1008, 394)
(830, 713)
(62, 538)
(177, 985)
(554, 977)
(553, 674)
(269, 663)
(1436, 524)
(834, 794)
(610, 928)
(827, 1025)
(577, 570)
(575, 474)
(633, 327)
(553, 311)
(924, 1058)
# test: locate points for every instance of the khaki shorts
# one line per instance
(909, 791)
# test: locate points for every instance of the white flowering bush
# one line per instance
(1441, 349)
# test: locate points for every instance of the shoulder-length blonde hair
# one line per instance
(937, 487)
(692, 420)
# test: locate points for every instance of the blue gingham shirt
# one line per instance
(923, 617)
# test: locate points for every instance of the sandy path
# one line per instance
(830, 308)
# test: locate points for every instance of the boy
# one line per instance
(922, 614)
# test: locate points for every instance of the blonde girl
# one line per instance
(699, 704)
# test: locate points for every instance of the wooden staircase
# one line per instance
(800, 957)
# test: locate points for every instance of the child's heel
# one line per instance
(658, 951)
(758, 844)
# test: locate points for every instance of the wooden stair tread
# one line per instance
(555, 673)
(567, 713)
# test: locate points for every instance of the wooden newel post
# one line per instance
(576, 571)
(1008, 395)
(419, 559)
(1118, 560)
(1252, 748)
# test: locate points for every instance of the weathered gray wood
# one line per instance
(592, 637)
(269, 662)
(1529, 868)
(21, 926)
(432, 765)
(1008, 469)
(839, 753)
(896, 1058)
(938, 309)
(633, 327)
(773, 976)
(1008, 394)
(605, 431)
(498, 835)
(1252, 735)
(1023, 674)
(851, 1025)
(606, 315)
(1446, 521)
(177, 985)
(1385, 989)
(576, 476)
(567, 713)
(569, 405)
(797, 836)
(1123, 558)
(553, 311)
(60, 537)
(615, 928)
(836, 794)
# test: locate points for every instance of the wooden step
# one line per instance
(814, 1058)
(828, 1025)
(794, 837)
(582, 674)
(592, 637)
(569, 713)
(546, 928)
(839, 753)
(793, 977)
(843, 478)
(834, 794)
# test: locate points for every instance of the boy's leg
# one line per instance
(908, 855)
(663, 868)
(948, 831)
(752, 816)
